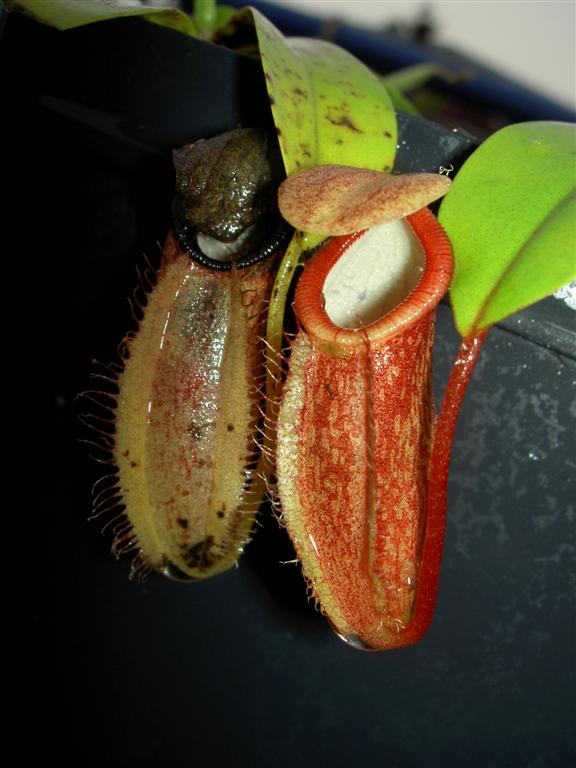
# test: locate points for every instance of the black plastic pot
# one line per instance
(242, 668)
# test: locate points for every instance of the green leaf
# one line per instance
(403, 81)
(400, 101)
(209, 16)
(411, 78)
(327, 106)
(328, 109)
(67, 14)
(223, 15)
(511, 217)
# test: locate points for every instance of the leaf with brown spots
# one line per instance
(337, 200)
(329, 107)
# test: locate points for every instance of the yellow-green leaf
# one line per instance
(401, 82)
(511, 217)
(400, 101)
(67, 14)
(328, 109)
(327, 106)
(209, 16)
(418, 75)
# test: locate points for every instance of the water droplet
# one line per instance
(536, 454)
(352, 640)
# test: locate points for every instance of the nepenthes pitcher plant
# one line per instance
(345, 444)
(217, 403)
(189, 400)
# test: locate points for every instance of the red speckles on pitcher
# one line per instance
(355, 431)
(189, 397)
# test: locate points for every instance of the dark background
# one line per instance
(241, 669)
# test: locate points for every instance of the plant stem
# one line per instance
(427, 589)
(205, 15)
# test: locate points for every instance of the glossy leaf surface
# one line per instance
(511, 217)
(67, 14)
(328, 109)
(327, 106)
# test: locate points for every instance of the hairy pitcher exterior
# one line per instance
(355, 433)
(189, 401)
(186, 415)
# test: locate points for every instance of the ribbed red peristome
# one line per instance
(309, 303)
